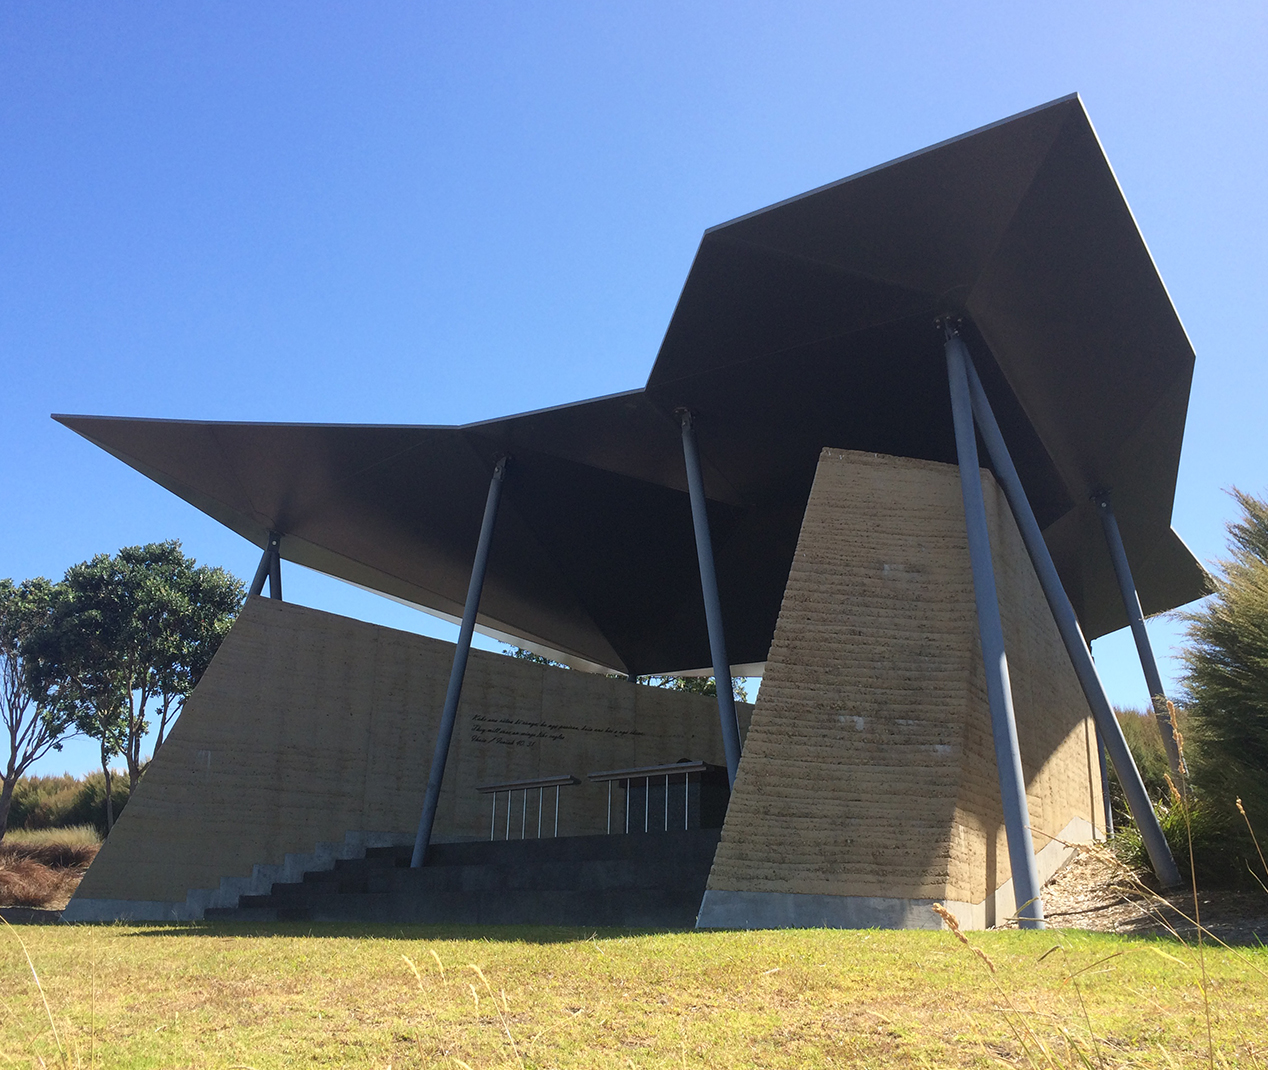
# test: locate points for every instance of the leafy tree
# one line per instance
(71, 662)
(201, 606)
(697, 685)
(129, 637)
(1226, 674)
(32, 727)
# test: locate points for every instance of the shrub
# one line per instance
(1226, 675)
(65, 801)
(1140, 729)
(1222, 851)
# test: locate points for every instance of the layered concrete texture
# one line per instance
(310, 736)
(868, 790)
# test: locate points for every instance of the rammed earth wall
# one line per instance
(309, 726)
(868, 789)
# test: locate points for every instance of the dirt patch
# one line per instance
(1094, 891)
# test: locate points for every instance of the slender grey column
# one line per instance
(1105, 791)
(712, 604)
(422, 839)
(1012, 781)
(1110, 731)
(275, 566)
(266, 562)
(1136, 617)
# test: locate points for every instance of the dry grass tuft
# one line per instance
(24, 883)
(53, 855)
(42, 869)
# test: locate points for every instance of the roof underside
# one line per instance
(805, 325)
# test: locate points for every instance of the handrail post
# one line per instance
(1012, 781)
(1111, 732)
(449, 714)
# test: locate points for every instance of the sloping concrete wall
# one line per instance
(308, 726)
(867, 789)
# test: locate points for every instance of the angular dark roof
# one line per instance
(804, 325)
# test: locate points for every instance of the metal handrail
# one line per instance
(650, 770)
(541, 782)
(524, 787)
(645, 774)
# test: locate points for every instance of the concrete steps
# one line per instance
(652, 880)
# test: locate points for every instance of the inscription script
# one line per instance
(518, 732)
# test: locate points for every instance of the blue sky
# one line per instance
(440, 212)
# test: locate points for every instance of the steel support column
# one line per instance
(1076, 647)
(712, 604)
(1136, 617)
(269, 568)
(422, 839)
(1106, 802)
(1012, 782)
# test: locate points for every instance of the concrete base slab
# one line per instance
(724, 909)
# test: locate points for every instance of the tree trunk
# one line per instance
(133, 750)
(105, 768)
(158, 743)
(6, 800)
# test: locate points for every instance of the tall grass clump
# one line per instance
(1192, 827)
(1226, 674)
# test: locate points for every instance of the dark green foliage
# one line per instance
(1223, 855)
(696, 685)
(128, 638)
(29, 725)
(1140, 729)
(1225, 720)
(41, 802)
(1226, 675)
(1221, 848)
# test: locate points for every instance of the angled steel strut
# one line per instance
(1136, 617)
(1107, 725)
(712, 604)
(1012, 781)
(448, 716)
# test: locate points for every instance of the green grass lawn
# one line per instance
(299, 995)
